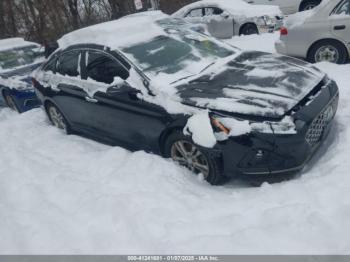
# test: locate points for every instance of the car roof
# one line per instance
(234, 7)
(128, 30)
(11, 43)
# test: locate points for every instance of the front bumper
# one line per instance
(269, 157)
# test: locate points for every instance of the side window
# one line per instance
(103, 68)
(51, 65)
(195, 13)
(210, 11)
(343, 8)
(69, 63)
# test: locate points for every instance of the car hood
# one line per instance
(255, 83)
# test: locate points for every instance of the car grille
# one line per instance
(318, 125)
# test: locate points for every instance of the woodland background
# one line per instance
(45, 21)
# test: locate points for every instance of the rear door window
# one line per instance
(69, 63)
(103, 68)
(211, 11)
(343, 8)
(195, 13)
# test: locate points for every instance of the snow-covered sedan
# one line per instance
(166, 89)
(227, 18)
(318, 35)
(288, 6)
(18, 59)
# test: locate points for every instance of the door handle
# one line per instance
(91, 100)
(339, 27)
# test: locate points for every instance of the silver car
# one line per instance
(226, 18)
(321, 34)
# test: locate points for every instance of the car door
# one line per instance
(116, 108)
(340, 21)
(70, 96)
(220, 23)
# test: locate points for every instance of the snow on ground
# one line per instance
(67, 194)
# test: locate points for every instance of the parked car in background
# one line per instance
(18, 59)
(288, 6)
(321, 34)
(226, 18)
(166, 89)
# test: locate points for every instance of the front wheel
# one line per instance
(183, 151)
(10, 102)
(328, 51)
(57, 118)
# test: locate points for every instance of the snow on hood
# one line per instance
(234, 7)
(254, 83)
(10, 43)
(125, 31)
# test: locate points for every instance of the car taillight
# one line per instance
(284, 31)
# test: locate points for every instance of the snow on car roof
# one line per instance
(127, 30)
(234, 7)
(10, 43)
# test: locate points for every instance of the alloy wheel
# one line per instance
(57, 118)
(327, 54)
(187, 154)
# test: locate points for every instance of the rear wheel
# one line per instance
(10, 102)
(249, 29)
(183, 151)
(328, 51)
(57, 118)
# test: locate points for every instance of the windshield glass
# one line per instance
(178, 53)
(19, 56)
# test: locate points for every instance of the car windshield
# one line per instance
(178, 53)
(19, 56)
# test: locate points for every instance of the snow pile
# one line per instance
(126, 31)
(10, 43)
(199, 127)
(14, 83)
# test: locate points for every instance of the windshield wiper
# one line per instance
(183, 78)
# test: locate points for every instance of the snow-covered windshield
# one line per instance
(18, 57)
(177, 53)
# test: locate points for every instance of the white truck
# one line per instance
(288, 6)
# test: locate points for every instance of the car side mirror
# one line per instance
(225, 15)
(123, 87)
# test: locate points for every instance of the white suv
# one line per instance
(288, 6)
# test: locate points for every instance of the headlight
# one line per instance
(265, 20)
(225, 127)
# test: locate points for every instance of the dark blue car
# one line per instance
(18, 59)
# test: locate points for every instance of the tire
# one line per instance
(199, 157)
(308, 5)
(57, 119)
(10, 102)
(249, 29)
(328, 51)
